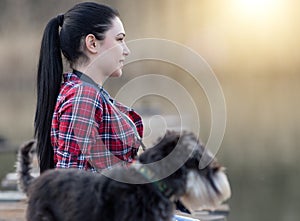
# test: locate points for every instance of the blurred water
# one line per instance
(7, 162)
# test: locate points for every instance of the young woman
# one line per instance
(77, 123)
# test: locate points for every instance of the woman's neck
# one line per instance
(94, 74)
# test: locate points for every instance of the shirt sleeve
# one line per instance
(79, 137)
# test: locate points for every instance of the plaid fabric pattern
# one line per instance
(88, 131)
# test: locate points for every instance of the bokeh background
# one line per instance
(253, 48)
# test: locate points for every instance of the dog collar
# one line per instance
(147, 173)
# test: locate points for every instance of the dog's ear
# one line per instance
(160, 150)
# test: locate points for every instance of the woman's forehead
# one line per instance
(117, 27)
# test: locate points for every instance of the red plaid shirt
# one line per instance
(88, 130)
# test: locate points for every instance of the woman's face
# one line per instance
(112, 51)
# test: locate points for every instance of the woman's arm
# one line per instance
(79, 140)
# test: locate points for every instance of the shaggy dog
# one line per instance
(176, 168)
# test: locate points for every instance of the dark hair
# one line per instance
(81, 20)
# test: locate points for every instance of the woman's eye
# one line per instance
(120, 39)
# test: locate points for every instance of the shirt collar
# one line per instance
(85, 78)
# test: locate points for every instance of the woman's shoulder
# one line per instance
(73, 89)
(73, 85)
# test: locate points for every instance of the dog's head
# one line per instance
(183, 162)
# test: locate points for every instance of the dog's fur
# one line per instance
(71, 194)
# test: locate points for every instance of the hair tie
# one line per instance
(60, 19)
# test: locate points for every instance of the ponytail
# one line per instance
(49, 77)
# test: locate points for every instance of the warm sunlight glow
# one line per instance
(258, 9)
(257, 4)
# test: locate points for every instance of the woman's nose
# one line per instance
(126, 50)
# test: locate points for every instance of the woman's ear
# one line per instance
(91, 43)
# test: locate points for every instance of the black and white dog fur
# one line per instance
(71, 194)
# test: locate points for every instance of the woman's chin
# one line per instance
(117, 73)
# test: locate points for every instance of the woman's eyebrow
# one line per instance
(121, 34)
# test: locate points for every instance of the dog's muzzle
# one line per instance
(202, 195)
